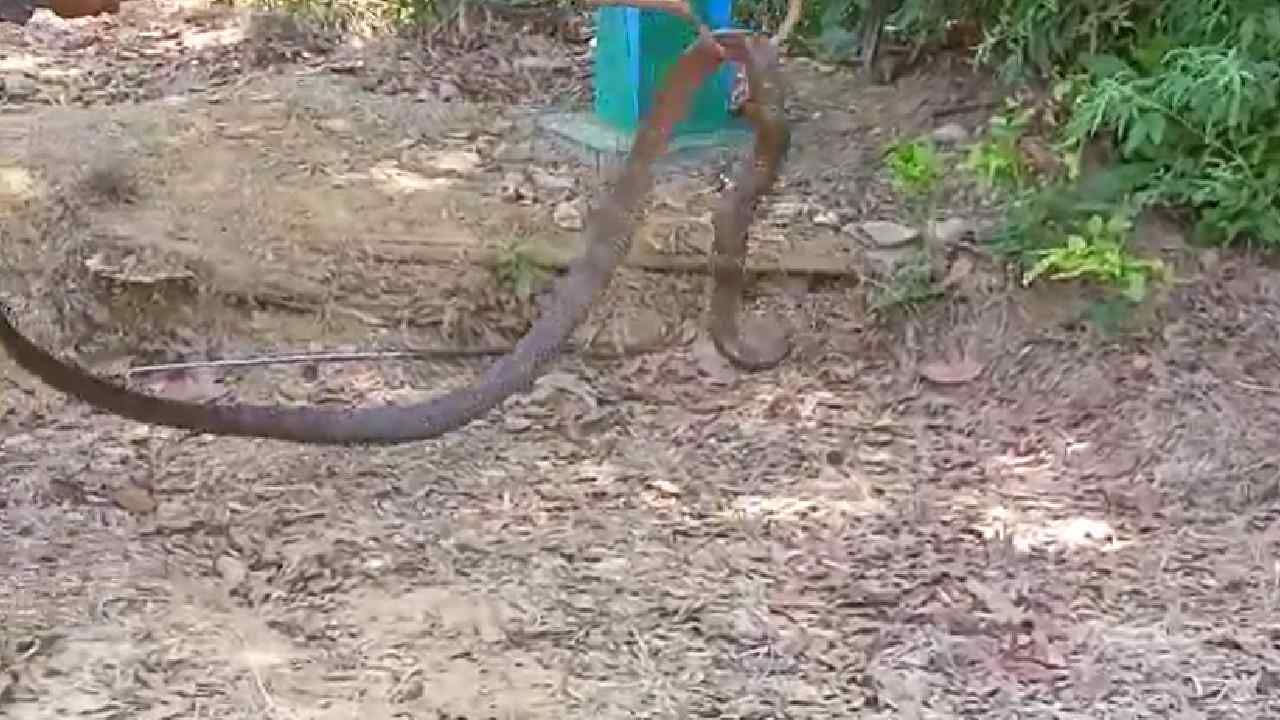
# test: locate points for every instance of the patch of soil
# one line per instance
(980, 506)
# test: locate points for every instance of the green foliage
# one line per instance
(1040, 35)
(519, 272)
(914, 165)
(769, 14)
(1189, 89)
(363, 16)
(1207, 120)
(1043, 218)
(908, 286)
(997, 159)
(1097, 252)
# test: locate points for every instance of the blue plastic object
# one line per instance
(635, 49)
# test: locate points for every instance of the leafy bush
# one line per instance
(1098, 252)
(914, 165)
(1206, 121)
(1190, 92)
(362, 16)
(997, 159)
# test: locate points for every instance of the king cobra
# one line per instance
(608, 233)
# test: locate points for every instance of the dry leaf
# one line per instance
(665, 486)
(1001, 607)
(134, 499)
(567, 216)
(952, 373)
(960, 269)
(1090, 680)
(232, 570)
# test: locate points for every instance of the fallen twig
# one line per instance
(370, 355)
(558, 256)
(962, 108)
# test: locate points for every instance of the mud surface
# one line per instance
(979, 506)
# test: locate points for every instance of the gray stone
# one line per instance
(888, 234)
(950, 134)
(16, 86)
(951, 231)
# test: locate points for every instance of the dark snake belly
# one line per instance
(609, 233)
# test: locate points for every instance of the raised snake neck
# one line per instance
(609, 232)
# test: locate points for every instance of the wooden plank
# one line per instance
(816, 262)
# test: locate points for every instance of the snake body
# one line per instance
(609, 232)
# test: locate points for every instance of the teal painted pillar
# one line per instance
(635, 49)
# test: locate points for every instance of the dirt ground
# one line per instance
(1074, 523)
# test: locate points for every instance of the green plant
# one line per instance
(997, 159)
(1207, 121)
(769, 14)
(363, 17)
(1025, 37)
(1188, 89)
(1097, 252)
(909, 285)
(518, 271)
(915, 166)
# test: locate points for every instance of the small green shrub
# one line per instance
(907, 287)
(996, 159)
(363, 16)
(1207, 123)
(518, 272)
(1097, 252)
(914, 165)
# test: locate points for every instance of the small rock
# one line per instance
(889, 260)
(567, 216)
(240, 132)
(643, 328)
(888, 234)
(516, 423)
(950, 134)
(956, 372)
(959, 270)
(785, 213)
(17, 87)
(544, 180)
(447, 91)
(232, 570)
(513, 152)
(796, 287)
(950, 232)
(666, 487)
(460, 162)
(17, 185)
(538, 62)
(134, 499)
(512, 187)
(1209, 259)
(409, 691)
(827, 218)
(337, 126)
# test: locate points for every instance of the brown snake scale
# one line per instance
(609, 233)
